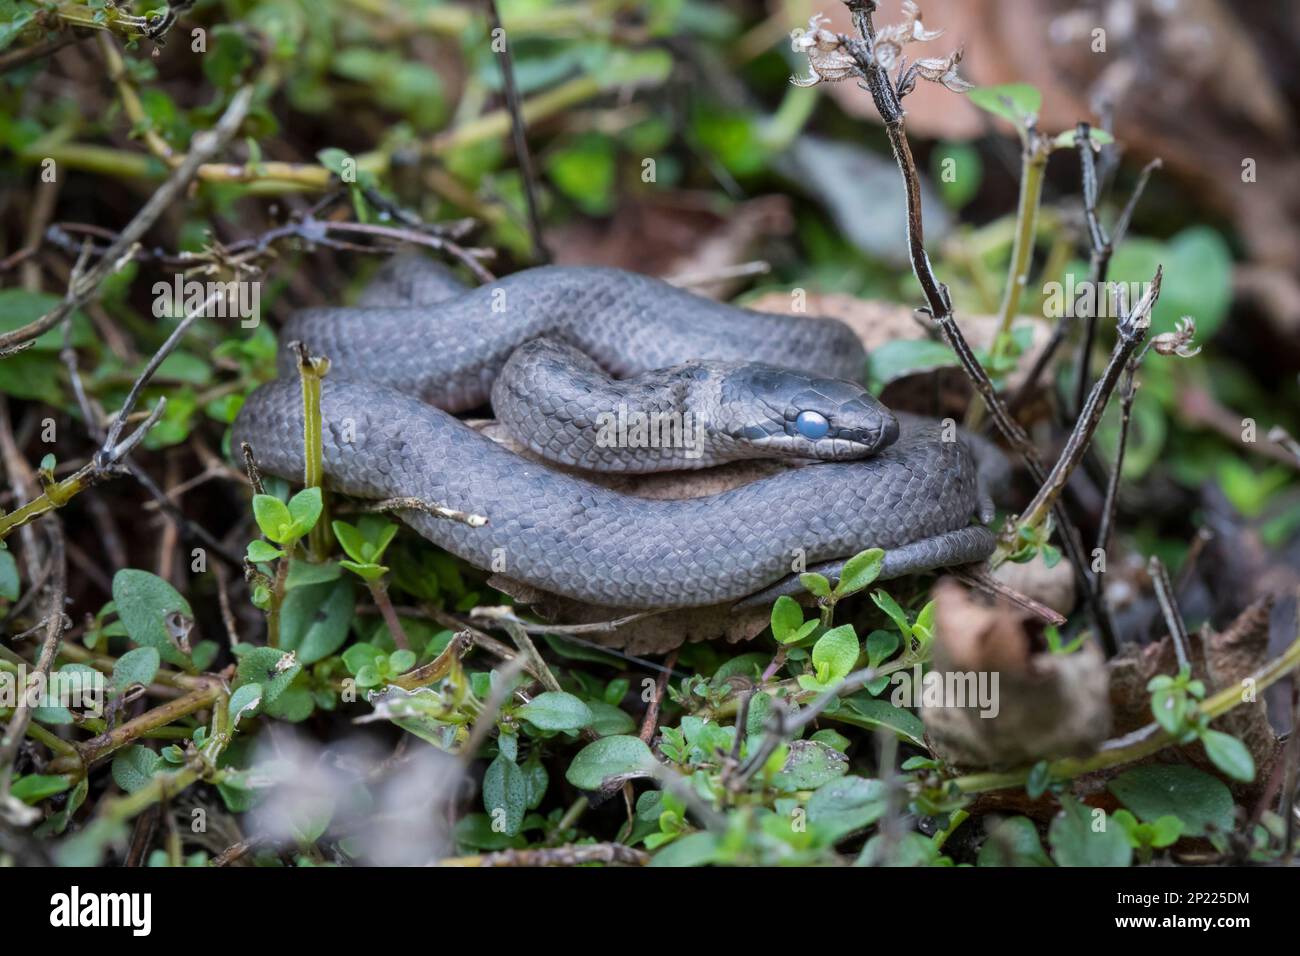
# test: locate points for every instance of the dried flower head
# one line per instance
(828, 57)
(890, 40)
(1179, 341)
(937, 69)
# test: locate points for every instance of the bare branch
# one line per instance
(203, 147)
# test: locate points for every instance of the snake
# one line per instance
(554, 349)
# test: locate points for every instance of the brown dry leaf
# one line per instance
(1047, 705)
(1221, 660)
(676, 233)
(1052, 586)
(877, 323)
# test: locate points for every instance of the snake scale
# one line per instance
(418, 347)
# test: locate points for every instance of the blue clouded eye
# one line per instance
(812, 425)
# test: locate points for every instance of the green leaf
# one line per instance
(846, 806)
(367, 572)
(475, 831)
(787, 619)
(1076, 843)
(859, 571)
(134, 766)
(583, 169)
(352, 541)
(900, 358)
(896, 613)
(556, 710)
(361, 655)
(260, 551)
(505, 795)
(35, 787)
(272, 516)
(958, 170)
(135, 667)
(874, 714)
(835, 653)
(810, 765)
(1013, 842)
(1200, 800)
(608, 720)
(914, 849)
(303, 573)
(1040, 778)
(1070, 137)
(694, 849)
(1018, 103)
(1229, 754)
(10, 585)
(244, 701)
(269, 667)
(401, 661)
(618, 756)
(305, 508)
(1165, 831)
(15, 18)
(816, 584)
(19, 307)
(144, 601)
(314, 620)
(832, 738)
(880, 645)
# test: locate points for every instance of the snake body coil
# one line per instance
(392, 362)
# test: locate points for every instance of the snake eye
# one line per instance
(812, 425)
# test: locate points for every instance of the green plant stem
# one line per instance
(572, 815)
(55, 743)
(81, 655)
(277, 601)
(379, 591)
(311, 370)
(1150, 739)
(1034, 160)
(55, 495)
(275, 178)
(958, 818)
(101, 746)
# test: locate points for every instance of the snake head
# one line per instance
(783, 413)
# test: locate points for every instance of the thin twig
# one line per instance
(1169, 607)
(596, 627)
(519, 133)
(427, 507)
(1128, 393)
(13, 59)
(1132, 330)
(651, 718)
(531, 654)
(203, 147)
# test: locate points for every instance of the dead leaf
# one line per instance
(1220, 659)
(674, 233)
(1047, 705)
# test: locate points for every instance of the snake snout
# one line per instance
(819, 418)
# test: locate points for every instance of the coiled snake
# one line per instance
(539, 344)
